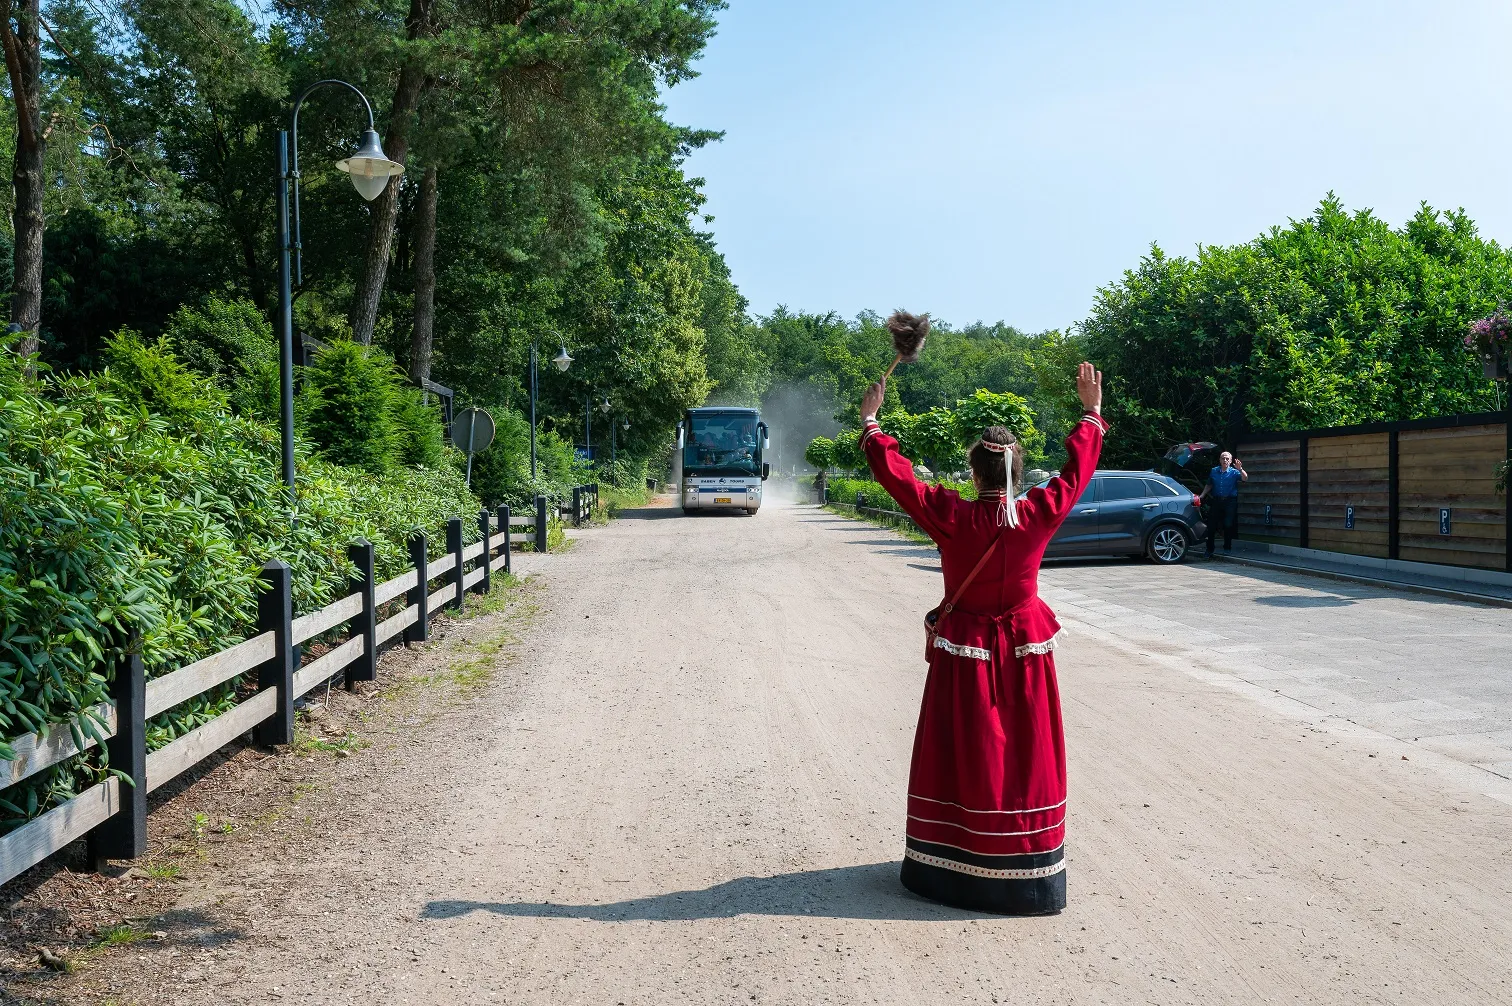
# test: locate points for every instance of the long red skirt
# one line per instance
(987, 791)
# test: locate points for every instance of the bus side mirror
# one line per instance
(766, 436)
(766, 470)
(680, 436)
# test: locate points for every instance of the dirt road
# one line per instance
(689, 787)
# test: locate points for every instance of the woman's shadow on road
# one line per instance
(849, 892)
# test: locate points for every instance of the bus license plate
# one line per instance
(721, 499)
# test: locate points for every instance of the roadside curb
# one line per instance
(1375, 581)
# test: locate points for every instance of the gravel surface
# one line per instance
(686, 784)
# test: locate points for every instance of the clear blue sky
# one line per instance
(1001, 160)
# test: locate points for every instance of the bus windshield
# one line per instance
(722, 445)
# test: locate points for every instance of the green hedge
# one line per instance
(136, 501)
(873, 495)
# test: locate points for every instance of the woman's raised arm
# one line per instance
(927, 505)
(1083, 446)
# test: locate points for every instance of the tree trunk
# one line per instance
(23, 62)
(425, 278)
(385, 209)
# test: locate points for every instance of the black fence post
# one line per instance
(484, 585)
(506, 530)
(577, 506)
(454, 546)
(123, 835)
(365, 623)
(418, 596)
(540, 524)
(275, 614)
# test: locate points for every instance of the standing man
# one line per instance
(1223, 482)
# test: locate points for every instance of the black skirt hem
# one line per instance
(1035, 896)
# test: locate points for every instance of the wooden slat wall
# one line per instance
(1349, 471)
(1272, 468)
(1452, 468)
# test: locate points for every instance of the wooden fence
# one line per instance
(113, 814)
(585, 500)
(1422, 490)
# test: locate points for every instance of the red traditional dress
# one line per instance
(987, 791)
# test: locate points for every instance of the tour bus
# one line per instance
(719, 459)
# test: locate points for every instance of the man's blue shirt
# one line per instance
(1225, 483)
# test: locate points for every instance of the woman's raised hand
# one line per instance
(872, 400)
(1089, 387)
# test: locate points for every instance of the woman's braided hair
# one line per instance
(991, 467)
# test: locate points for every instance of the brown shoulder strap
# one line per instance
(950, 605)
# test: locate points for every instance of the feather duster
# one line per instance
(908, 334)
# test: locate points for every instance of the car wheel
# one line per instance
(1169, 544)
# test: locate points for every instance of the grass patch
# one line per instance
(307, 743)
(503, 586)
(614, 499)
(556, 537)
(477, 664)
(123, 935)
(163, 871)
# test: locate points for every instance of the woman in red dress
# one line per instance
(987, 791)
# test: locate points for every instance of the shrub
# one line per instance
(359, 411)
(987, 408)
(349, 397)
(419, 437)
(230, 340)
(820, 453)
(848, 456)
(118, 519)
(501, 474)
(873, 495)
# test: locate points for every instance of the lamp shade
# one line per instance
(562, 360)
(604, 405)
(369, 167)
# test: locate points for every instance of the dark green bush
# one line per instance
(232, 341)
(358, 409)
(349, 398)
(501, 474)
(136, 500)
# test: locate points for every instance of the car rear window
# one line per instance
(1123, 489)
(1160, 488)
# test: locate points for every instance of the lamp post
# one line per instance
(604, 408)
(562, 361)
(370, 171)
(614, 443)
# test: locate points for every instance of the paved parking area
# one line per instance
(1426, 671)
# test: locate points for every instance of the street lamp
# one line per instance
(370, 170)
(614, 441)
(562, 361)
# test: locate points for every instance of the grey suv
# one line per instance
(1130, 513)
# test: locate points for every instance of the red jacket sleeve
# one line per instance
(1048, 505)
(930, 506)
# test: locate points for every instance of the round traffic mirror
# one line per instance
(472, 430)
